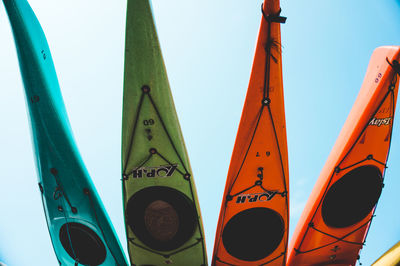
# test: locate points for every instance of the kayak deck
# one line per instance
(339, 212)
(253, 223)
(162, 214)
(80, 230)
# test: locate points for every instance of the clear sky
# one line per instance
(208, 49)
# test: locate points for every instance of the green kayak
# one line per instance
(162, 214)
(80, 229)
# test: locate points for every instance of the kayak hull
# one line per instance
(255, 202)
(390, 258)
(80, 229)
(338, 214)
(162, 214)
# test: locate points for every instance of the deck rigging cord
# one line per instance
(265, 102)
(390, 91)
(152, 152)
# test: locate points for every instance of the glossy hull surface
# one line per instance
(162, 214)
(80, 229)
(390, 258)
(338, 214)
(254, 217)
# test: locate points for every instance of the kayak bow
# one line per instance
(80, 229)
(254, 217)
(162, 214)
(339, 212)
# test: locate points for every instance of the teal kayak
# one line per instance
(80, 229)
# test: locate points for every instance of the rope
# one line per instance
(274, 259)
(392, 103)
(368, 158)
(60, 189)
(224, 262)
(166, 131)
(335, 237)
(270, 42)
(126, 176)
(131, 240)
(248, 148)
(86, 191)
(169, 162)
(240, 168)
(258, 183)
(268, 262)
(338, 239)
(65, 217)
(144, 90)
(264, 102)
(186, 175)
(396, 66)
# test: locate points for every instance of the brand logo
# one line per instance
(380, 121)
(158, 171)
(265, 196)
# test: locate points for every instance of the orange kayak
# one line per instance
(335, 222)
(254, 217)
